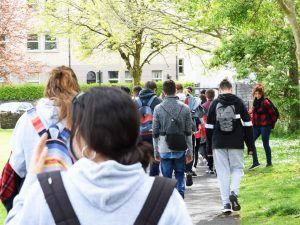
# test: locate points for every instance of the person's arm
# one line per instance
(209, 127)
(17, 158)
(155, 129)
(188, 131)
(270, 111)
(248, 128)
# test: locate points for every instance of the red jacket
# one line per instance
(265, 115)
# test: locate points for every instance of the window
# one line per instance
(32, 42)
(128, 77)
(156, 75)
(3, 40)
(113, 76)
(180, 66)
(91, 77)
(33, 78)
(50, 42)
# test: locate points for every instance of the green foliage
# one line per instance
(34, 92)
(21, 92)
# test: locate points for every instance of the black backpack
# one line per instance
(274, 108)
(64, 214)
(175, 137)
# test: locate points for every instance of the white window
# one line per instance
(128, 77)
(180, 66)
(156, 75)
(50, 42)
(32, 42)
(3, 40)
(33, 78)
(113, 76)
(91, 77)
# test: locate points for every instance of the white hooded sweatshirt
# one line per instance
(107, 193)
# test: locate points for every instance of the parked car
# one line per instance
(15, 106)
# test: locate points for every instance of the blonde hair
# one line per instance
(62, 86)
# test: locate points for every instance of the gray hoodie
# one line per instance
(161, 121)
(105, 193)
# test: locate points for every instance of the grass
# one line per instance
(5, 136)
(271, 196)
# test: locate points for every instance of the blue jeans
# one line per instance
(178, 165)
(265, 135)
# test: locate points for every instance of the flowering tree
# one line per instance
(13, 35)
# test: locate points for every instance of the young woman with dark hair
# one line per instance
(108, 183)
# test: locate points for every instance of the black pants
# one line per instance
(210, 160)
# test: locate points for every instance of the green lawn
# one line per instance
(5, 136)
(271, 196)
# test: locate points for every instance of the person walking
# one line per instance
(169, 116)
(179, 92)
(53, 109)
(263, 117)
(226, 135)
(147, 97)
(196, 110)
(210, 95)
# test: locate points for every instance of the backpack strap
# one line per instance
(151, 100)
(140, 103)
(36, 121)
(170, 113)
(156, 201)
(57, 198)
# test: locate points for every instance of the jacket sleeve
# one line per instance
(248, 127)
(210, 126)
(270, 111)
(188, 132)
(155, 129)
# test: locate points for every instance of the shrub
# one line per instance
(31, 92)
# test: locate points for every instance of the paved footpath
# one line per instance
(204, 202)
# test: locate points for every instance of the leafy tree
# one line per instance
(138, 30)
(13, 34)
(256, 39)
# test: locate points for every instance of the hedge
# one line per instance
(31, 92)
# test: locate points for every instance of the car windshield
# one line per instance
(15, 106)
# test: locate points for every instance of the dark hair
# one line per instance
(126, 89)
(258, 88)
(108, 120)
(136, 90)
(210, 94)
(203, 98)
(179, 87)
(151, 85)
(203, 91)
(169, 87)
(190, 89)
(225, 84)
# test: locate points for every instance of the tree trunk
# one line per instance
(288, 7)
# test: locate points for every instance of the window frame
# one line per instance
(113, 80)
(128, 79)
(38, 43)
(155, 78)
(180, 66)
(50, 41)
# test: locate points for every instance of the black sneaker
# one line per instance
(194, 174)
(269, 164)
(227, 209)
(254, 166)
(234, 202)
(189, 179)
